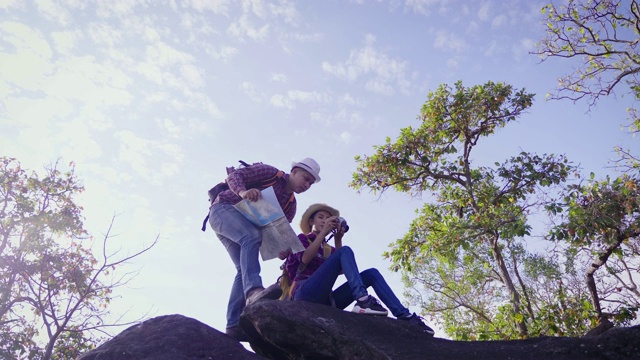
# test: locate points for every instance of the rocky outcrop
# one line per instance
(299, 330)
(170, 337)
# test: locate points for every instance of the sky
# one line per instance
(151, 100)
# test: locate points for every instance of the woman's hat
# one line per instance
(304, 222)
(309, 165)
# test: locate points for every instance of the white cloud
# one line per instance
(81, 79)
(215, 6)
(385, 73)
(484, 11)
(348, 99)
(244, 27)
(151, 34)
(452, 63)
(279, 77)
(449, 41)
(53, 11)
(314, 38)
(106, 35)
(345, 136)
(31, 60)
(65, 42)
(281, 101)
(297, 96)
(8, 4)
(134, 151)
(76, 141)
(426, 7)
(169, 128)
(492, 49)
(523, 47)
(116, 8)
(499, 21)
(192, 75)
(224, 53)
(285, 10)
(162, 54)
(250, 90)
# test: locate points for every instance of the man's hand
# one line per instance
(284, 254)
(251, 195)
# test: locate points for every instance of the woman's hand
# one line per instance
(338, 233)
(329, 225)
(251, 194)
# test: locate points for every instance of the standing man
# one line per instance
(242, 238)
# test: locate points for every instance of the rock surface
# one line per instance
(170, 337)
(299, 330)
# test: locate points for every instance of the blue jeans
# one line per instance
(318, 287)
(242, 240)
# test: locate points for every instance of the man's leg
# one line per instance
(236, 298)
(230, 223)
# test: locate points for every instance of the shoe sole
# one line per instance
(369, 312)
(273, 292)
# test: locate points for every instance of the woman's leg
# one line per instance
(372, 278)
(318, 287)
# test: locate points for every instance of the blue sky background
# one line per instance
(153, 99)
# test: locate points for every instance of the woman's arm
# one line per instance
(337, 240)
(311, 251)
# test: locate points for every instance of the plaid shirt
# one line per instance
(247, 178)
(295, 260)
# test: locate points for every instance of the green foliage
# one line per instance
(603, 35)
(463, 247)
(606, 212)
(603, 219)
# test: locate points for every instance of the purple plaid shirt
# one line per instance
(294, 260)
(246, 178)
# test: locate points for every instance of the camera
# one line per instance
(342, 223)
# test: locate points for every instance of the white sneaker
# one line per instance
(369, 306)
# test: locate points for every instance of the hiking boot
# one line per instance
(273, 292)
(417, 321)
(369, 306)
(236, 334)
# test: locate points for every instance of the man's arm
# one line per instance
(240, 181)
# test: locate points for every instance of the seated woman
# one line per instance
(313, 272)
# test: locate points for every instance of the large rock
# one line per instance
(170, 337)
(299, 330)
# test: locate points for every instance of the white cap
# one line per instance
(309, 165)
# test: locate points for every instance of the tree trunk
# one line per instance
(506, 278)
(595, 265)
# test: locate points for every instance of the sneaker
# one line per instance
(273, 292)
(237, 334)
(369, 306)
(417, 321)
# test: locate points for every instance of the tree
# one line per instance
(602, 220)
(466, 248)
(603, 35)
(49, 278)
